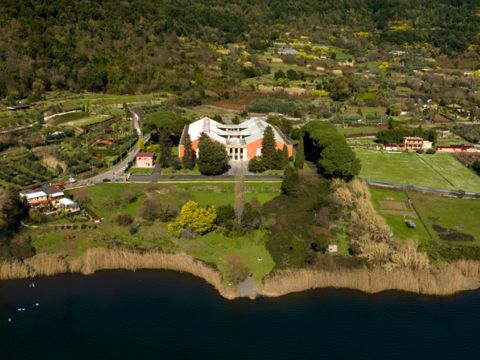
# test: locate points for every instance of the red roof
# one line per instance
(145, 154)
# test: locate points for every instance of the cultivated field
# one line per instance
(439, 171)
(441, 222)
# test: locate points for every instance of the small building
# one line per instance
(332, 249)
(33, 198)
(410, 224)
(415, 143)
(69, 205)
(145, 160)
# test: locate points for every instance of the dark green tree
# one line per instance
(338, 160)
(188, 159)
(290, 182)
(279, 75)
(300, 154)
(212, 157)
(165, 148)
(256, 165)
(268, 148)
(284, 157)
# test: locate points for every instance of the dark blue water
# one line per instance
(166, 315)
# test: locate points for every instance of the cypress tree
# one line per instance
(268, 148)
(300, 155)
(165, 148)
(188, 160)
(284, 161)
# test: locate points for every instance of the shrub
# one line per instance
(256, 165)
(225, 216)
(192, 215)
(153, 209)
(431, 151)
(236, 269)
(124, 219)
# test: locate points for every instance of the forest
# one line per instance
(147, 45)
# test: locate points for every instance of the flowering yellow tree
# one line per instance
(195, 217)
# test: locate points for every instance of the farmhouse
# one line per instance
(416, 143)
(410, 144)
(33, 198)
(145, 160)
(242, 142)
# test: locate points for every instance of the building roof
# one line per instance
(145, 154)
(34, 195)
(413, 138)
(52, 191)
(68, 202)
(233, 134)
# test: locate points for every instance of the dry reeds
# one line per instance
(13, 270)
(102, 259)
(446, 280)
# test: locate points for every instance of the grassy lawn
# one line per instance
(109, 200)
(440, 171)
(214, 248)
(140, 171)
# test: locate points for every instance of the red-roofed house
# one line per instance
(145, 160)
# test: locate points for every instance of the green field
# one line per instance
(455, 215)
(86, 121)
(360, 130)
(439, 171)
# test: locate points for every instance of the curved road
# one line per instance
(115, 173)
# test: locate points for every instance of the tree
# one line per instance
(300, 154)
(194, 217)
(165, 158)
(269, 148)
(212, 158)
(256, 165)
(240, 191)
(476, 166)
(279, 75)
(290, 181)
(338, 160)
(292, 74)
(283, 157)
(140, 144)
(188, 159)
(340, 89)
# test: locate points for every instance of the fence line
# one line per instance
(405, 187)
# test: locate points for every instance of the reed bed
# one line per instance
(445, 280)
(103, 259)
(13, 270)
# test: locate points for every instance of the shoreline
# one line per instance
(449, 279)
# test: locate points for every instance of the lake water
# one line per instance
(166, 315)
